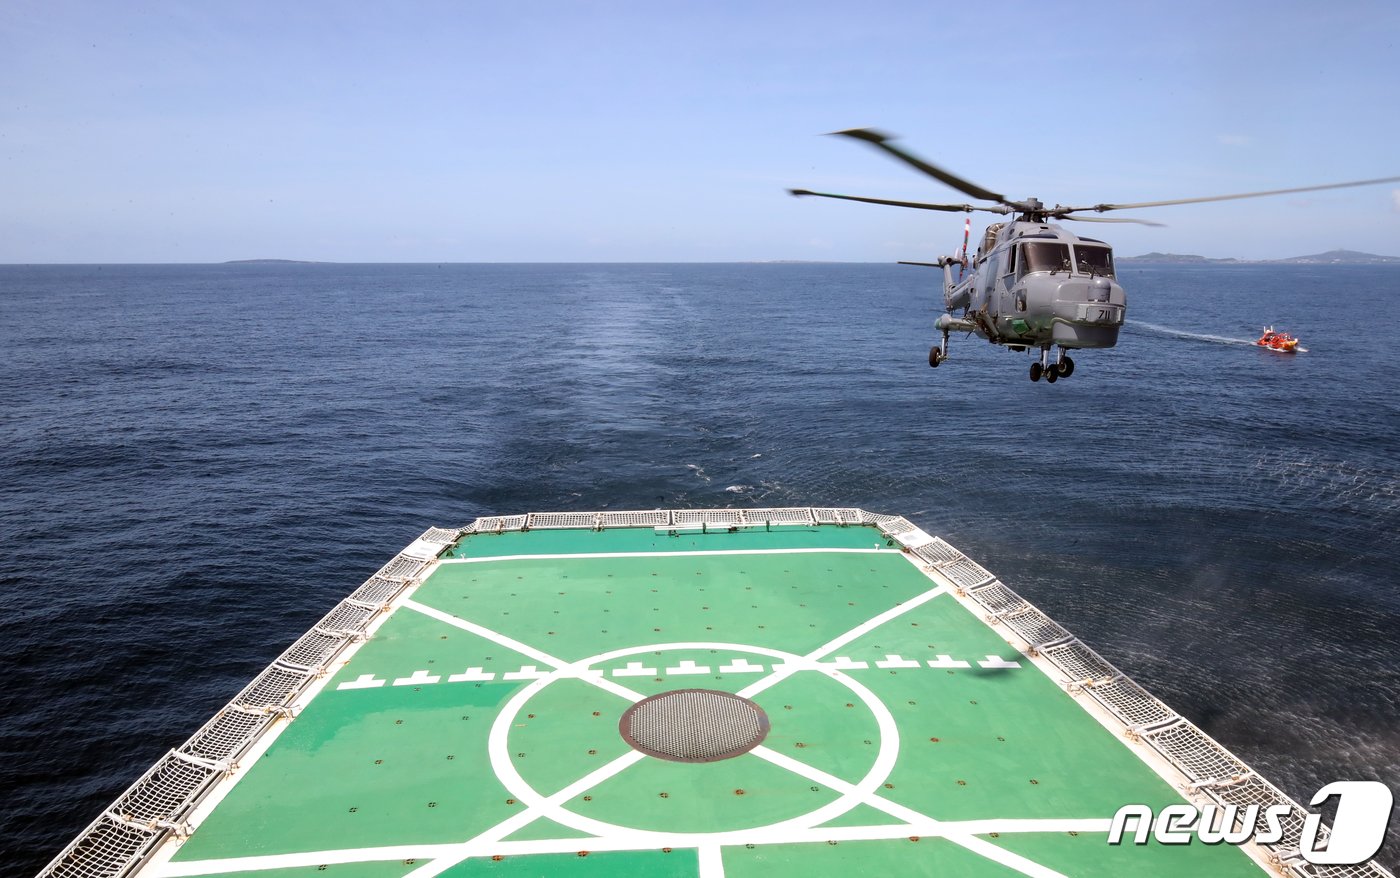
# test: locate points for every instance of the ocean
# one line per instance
(197, 461)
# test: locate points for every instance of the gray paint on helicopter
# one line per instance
(1019, 291)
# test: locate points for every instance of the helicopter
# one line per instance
(1032, 284)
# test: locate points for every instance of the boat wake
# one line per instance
(1194, 336)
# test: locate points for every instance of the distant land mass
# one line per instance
(271, 262)
(1331, 257)
(1348, 257)
(1172, 258)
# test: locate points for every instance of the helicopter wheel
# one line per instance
(1036, 371)
(1066, 368)
(1052, 374)
(935, 356)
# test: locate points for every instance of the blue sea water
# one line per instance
(197, 461)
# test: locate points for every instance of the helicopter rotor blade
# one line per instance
(920, 205)
(1108, 219)
(1103, 207)
(882, 141)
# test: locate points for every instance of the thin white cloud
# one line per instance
(1235, 139)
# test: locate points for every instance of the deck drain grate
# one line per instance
(694, 725)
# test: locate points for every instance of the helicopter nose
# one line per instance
(1099, 289)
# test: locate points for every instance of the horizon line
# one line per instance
(1172, 257)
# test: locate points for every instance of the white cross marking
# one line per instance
(896, 661)
(688, 668)
(416, 678)
(997, 662)
(842, 663)
(947, 661)
(634, 669)
(471, 674)
(364, 681)
(526, 672)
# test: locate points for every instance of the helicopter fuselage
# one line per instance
(1032, 285)
(1035, 285)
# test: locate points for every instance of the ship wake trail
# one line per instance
(1191, 336)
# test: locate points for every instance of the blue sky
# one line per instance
(646, 131)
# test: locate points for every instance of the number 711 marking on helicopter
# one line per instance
(1032, 284)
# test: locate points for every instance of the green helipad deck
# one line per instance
(739, 693)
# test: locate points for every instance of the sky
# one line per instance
(531, 131)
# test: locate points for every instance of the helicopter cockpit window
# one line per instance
(1097, 261)
(1044, 256)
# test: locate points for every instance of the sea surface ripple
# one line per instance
(197, 461)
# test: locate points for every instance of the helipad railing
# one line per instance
(1208, 768)
(157, 805)
(159, 802)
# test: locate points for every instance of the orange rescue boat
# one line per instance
(1277, 341)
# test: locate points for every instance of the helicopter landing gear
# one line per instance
(939, 352)
(1044, 367)
(1052, 372)
(1066, 366)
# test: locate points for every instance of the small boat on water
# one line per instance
(1278, 341)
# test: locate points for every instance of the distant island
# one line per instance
(1172, 259)
(271, 262)
(1331, 257)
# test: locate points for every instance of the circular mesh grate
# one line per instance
(694, 725)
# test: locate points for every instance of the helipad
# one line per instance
(785, 691)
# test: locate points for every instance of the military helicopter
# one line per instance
(1032, 285)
